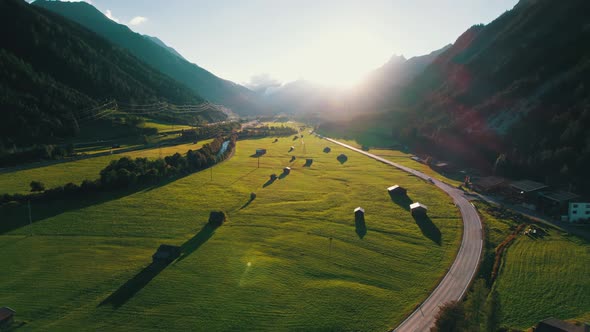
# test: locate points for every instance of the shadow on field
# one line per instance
(402, 200)
(360, 226)
(15, 215)
(196, 241)
(140, 280)
(428, 228)
(283, 175)
(134, 285)
(308, 163)
(247, 203)
(269, 182)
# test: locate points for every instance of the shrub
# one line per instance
(37, 186)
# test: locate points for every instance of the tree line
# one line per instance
(127, 173)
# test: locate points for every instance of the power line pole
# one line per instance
(30, 218)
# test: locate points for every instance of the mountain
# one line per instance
(54, 73)
(160, 43)
(236, 97)
(372, 94)
(513, 95)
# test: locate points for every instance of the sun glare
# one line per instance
(343, 58)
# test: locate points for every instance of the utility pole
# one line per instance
(258, 161)
(30, 218)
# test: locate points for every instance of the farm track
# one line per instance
(458, 278)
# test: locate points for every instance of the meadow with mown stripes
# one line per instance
(291, 259)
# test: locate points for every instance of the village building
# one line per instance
(578, 211)
(418, 209)
(556, 203)
(260, 152)
(487, 183)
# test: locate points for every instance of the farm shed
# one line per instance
(397, 190)
(359, 211)
(556, 325)
(556, 202)
(287, 170)
(527, 186)
(260, 152)
(418, 209)
(487, 183)
(166, 254)
(6, 317)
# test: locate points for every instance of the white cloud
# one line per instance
(137, 20)
(109, 14)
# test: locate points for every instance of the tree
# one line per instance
(37, 186)
(492, 312)
(450, 318)
(474, 306)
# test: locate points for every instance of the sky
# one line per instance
(332, 42)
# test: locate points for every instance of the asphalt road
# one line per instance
(455, 283)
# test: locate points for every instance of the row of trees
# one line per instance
(480, 312)
(126, 172)
(15, 156)
(266, 131)
(212, 130)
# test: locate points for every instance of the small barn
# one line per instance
(291, 148)
(418, 209)
(260, 152)
(166, 254)
(6, 317)
(556, 325)
(397, 190)
(287, 170)
(359, 212)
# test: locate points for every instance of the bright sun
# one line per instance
(342, 58)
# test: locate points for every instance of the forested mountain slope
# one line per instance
(513, 94)
(234, 96)
(53, 72)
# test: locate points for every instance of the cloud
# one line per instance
(109, 14)
(137, 20)
(261, 83)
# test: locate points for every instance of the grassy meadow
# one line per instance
(540, 277)
(291, 259)
(545, 277)
(77, 171)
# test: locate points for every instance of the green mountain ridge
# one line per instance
(158, 55)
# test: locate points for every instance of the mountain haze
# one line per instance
(161, 57)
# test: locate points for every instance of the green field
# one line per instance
(271, 267)
(545, 277)
(79, 170)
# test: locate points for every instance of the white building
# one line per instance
(578, 211)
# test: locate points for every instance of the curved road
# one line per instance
(459, 276)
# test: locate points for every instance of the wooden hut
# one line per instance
(260, 152)
(359, 212)
(418, 209)
(287, 170)
(397, 190)
(6, 317)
